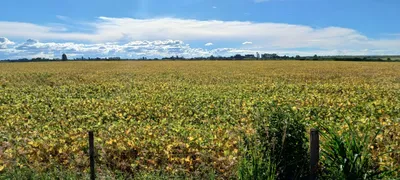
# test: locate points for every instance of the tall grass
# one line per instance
(278, 149)
(255, 163)
(285, 136)
(349, 156)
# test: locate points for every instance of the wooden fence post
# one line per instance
(91, 154)
(314, 153)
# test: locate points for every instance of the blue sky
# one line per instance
(155, 28)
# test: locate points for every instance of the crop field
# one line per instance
(186, 119)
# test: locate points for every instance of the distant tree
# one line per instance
(297, 57)
(64, 57)
(389, 59)
(315, 57)
(238, 57)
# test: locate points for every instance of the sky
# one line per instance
(192, 28)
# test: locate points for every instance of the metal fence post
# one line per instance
(91, 153)
(314, 153)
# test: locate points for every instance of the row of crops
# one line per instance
(199, 119)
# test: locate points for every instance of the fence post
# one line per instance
(314, 153)
(91, 154)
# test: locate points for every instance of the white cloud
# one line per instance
(28, 30)
(214, 7)
(268, 37)
(208, 44)
(63, 18)
(34, 48)
(107, 29)
(247, 43)
(135, 49)
(4, 43)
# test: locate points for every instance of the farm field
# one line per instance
(181, 118)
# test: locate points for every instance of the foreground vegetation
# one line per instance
(198, 119)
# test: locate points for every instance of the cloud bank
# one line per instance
(134, 49)
(130, 37)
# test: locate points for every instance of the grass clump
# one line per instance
(279, 148)
(349, 155)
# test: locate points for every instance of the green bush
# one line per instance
(281, 145)
(285, 137)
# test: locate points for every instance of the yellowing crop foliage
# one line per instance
(179, 117)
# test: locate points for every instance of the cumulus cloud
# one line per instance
(4, 43)
(208, 44)
(136, 49)
(247, 43)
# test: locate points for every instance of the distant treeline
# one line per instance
(221, 58)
